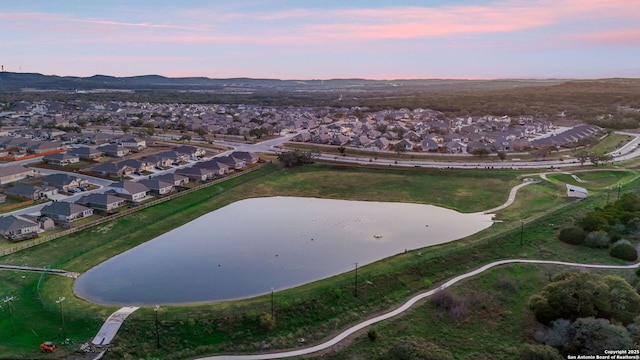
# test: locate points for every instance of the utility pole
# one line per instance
(521, 230)
(272, 303)
(155, 309)
(7, 300)
(619, 188)
(59, 301)
(356, 284)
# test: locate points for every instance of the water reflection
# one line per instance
(248, 247)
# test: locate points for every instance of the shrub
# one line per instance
(597, 239)
(573, 235)
(267, 322)
(416, 349)
(372, 334)
(539, 352)
(623, 249)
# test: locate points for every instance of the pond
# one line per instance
(255, 245)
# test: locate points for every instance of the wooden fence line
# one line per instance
(38, 241)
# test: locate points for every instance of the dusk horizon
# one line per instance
(381, 40)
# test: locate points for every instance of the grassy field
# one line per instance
(312, 311)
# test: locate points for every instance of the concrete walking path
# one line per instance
(511, 198)
(110, 327)
(406, 306)
(60, 272)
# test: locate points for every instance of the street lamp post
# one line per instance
(7, 300)
(155, 309)
(521, 230)
(59, 301)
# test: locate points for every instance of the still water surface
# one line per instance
(251, 246)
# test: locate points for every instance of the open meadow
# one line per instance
(310, 313)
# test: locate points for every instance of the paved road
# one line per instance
(406, 306)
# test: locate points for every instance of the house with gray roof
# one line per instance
(197, 173)
(112, 169)
(60, 159)
(218, 167)
(17, 228)
(31, 192)
(175, 179)
(158, 187)
(64, 182)
(190, 151)
(65, 212)
(113, 150)
(101, 202)
(14, 173)
(85, 153)
(130, 190)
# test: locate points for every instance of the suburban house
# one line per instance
(197, 173)
(190, 151)
(112, 169)
(14, 173)
(65, 212)
(138, 165)
(157, 186)
(65, 182)
(85, 153)
(101, 202)
(158, 160)
(31, 192)
(175, 179)
(231, 161)
(113, 150)
(60, 159)
(45, 147)
(133, 143)
(248, 157)
(16, 228)
(218, 167)
(130, 190)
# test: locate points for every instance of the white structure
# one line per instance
(576, 191)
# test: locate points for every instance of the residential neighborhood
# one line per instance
(119, 128)
(128, 142)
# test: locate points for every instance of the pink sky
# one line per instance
(287, 39)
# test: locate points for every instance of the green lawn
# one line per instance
(312, 311)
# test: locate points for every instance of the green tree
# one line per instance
(399, 148)
(574, 295)
(480, 151)
(125, 128)
(623, 249)
(588, 336)
(412, 348)
(582, 156)
(502, 155)
(572, 235)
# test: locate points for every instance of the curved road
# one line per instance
(406, 306)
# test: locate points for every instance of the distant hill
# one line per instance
(12, 82)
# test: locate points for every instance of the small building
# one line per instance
(576, 191)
